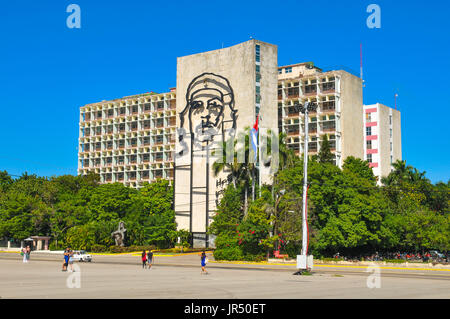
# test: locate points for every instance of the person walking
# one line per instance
(150, 259)
(66, 259)
(28, 253)
(144, 259)
(71, 260)
(203, 262)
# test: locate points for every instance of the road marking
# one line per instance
(329, 266)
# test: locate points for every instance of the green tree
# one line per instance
(325, 155)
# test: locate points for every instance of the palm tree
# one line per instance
(242, 173)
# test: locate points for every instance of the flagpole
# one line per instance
(259, 161)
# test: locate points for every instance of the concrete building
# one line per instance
(129, 140)
(382, 135)
(338, 95)
(221, 92)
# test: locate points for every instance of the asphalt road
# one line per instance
(179, 277)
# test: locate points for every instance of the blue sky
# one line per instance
(47, 71)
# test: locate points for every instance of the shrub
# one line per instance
(130, 249)
(229, 253)
(99, 248)
(332, 259)
(396, 261)
(52, 245)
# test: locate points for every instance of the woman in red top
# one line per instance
(144, 259)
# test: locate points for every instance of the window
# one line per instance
(391, 146)
(258, 53)
(288, 70)
(99, 114)
(258, 69)
(122, 111)
(146, 124)
(310, 88)
(390, 132)
(258, 89)
(328, 86)
(110, 112)
(280, 71)
(121, 143)
(369, 145)
(147, 107)
(293, 92)
(147, 140)
(134, 109)
(368, 131)
(133, 141)
(121, 127)
(390, 119)
(159, 139)
(328, 106)
(369, 158)
(120, 160)
(146, 157)
(134, 126)
(368, 117)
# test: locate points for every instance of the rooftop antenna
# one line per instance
(361, 64)
(396, 95)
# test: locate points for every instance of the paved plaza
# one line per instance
(179, 277)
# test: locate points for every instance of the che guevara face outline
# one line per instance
(211, 93)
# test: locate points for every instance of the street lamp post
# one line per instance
(303, 262)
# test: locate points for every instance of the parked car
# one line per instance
(81, 255)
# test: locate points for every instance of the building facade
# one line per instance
(129, 140)
(221, 92)
(338, 96)
(382, 136)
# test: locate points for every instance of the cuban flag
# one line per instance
(254, 137)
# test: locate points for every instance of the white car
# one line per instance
(81, 255)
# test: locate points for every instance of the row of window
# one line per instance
(132, 142)
(123, 127)
(121, 111)
(107, 177)
(130, 159)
